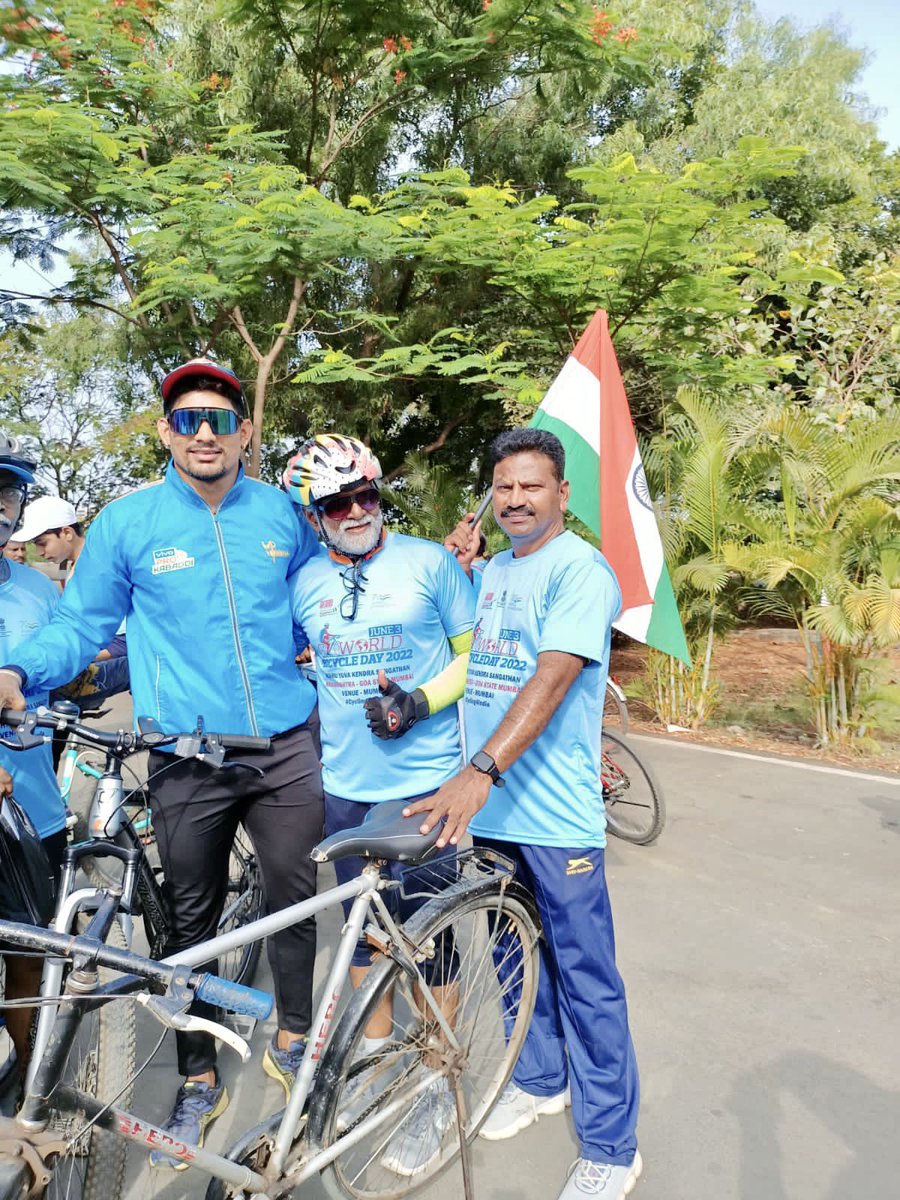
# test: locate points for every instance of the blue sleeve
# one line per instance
(96, 599)
(453, 595)
(581, 603)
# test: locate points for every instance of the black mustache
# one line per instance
(525, 509)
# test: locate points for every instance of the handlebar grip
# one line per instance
(234, 996)
(12, 717)
(239, 741)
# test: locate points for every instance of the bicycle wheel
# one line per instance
(7, 1051)
(100, 1063)
(244, 903)
(615, 707)
(635, 809)
(485, 969)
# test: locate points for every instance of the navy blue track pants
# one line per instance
(579, 1032)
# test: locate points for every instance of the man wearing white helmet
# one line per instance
(389, 618)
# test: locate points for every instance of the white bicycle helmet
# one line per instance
(327, 465)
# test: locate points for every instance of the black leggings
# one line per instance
(196, 811)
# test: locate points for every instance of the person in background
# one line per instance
(52, 524)
(16, 552)
(28, 601)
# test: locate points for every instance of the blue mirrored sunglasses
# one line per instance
(187, 421)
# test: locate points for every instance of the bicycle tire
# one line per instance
(635, 808)
(615, 708)
(245, 902)
(491, 926)
(101, 1063)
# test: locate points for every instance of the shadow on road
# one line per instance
(861, 1117)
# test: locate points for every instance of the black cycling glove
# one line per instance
(392, 713)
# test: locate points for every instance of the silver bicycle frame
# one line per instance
(364, 891)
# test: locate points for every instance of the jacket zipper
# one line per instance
(235, 629)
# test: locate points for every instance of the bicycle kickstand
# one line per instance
(465, 1154)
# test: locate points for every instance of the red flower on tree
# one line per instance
(399, 76)
(627, 34)
(601, 26)
(390, 44)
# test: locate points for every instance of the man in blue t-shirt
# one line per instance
(389, 619)
(27, 602)
(533, 712)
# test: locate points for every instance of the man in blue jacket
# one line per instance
(199, 563)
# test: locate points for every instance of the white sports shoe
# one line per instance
(606, 1180)
(516, 1110)
(420, 1139)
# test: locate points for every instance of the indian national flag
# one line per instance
(586, 407)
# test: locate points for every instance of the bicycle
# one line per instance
(635, 808)
(463, 976)
(123, 818)
(615, 706)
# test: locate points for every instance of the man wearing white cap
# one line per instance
(52, 524)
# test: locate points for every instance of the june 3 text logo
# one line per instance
(170, 559)
(272, 550)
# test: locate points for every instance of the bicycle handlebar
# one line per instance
(236, 997)
(124, 741)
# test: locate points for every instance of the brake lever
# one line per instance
(24, 737)
(184, 1022)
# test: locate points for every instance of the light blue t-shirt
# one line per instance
(562, 597)
(27, 602)
(415, 597)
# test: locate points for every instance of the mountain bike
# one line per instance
(111, 813)
(635, 808)
(462, 974)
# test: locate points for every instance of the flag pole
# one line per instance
(482, 507)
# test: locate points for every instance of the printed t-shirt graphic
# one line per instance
(562, 597)
(415, 597)
(27, 602)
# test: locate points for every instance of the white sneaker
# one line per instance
(420, 1139)
(516, 1110)
(606, 1180)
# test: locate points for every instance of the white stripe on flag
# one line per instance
(635, 622)
(574, 399)
(643, 520)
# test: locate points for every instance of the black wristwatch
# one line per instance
(485, 764)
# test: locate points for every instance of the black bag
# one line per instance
(27, 884)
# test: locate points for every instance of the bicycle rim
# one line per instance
(485, 969)
(635, 809)
(101, 1063)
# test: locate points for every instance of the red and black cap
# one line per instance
(205, 368)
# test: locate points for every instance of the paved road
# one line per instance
(758, 940)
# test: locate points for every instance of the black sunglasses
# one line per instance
(338, 508)
(354, 586)
(187, 421)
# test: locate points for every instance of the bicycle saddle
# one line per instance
(385, 833)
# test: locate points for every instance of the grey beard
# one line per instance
(356, 547)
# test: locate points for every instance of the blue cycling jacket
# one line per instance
(207, 598)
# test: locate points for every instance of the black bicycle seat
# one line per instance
(385, 833)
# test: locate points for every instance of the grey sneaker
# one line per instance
(516, 1110)
(283, 1065)
(420, 1139)
(370, 1085)
(196, 1107)
(606, 1180)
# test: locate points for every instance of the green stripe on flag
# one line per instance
(665, 631)
(582, 469)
